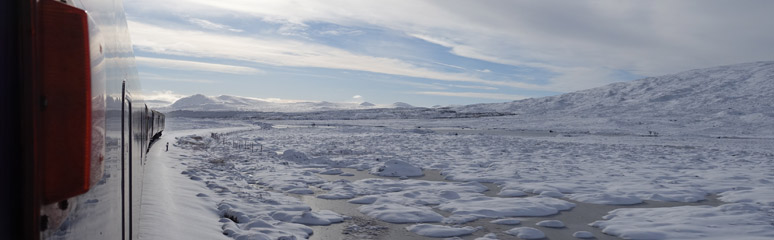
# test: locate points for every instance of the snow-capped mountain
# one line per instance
(735, 89)
(199, 102)
(401, 105)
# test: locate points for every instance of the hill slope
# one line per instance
(736, 89)
(735, 99)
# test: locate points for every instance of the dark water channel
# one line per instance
(361, 226)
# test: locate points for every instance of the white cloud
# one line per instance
(194, 66)
(412, 84)
(449, 65)
(283, 52)
(498, 96)
(212, 26)
(583, 42)
(443, 42)
(163, 96)
(341, 32)
(357, 97)
(145, 76)
(473, 87)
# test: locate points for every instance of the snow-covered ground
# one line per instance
(698, 173)
(247, 177)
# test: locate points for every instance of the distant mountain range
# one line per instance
(199, 102)
(742, 90)
(734, 100)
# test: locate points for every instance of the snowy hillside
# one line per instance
(201, 102)
(736, 89)
(735, 100)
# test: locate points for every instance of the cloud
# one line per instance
(163, 96)
(212, 26)
(582, 42)
(194, 66)
(473, 87)
(644, 37)
(412, 84)
(144, 76)
(498, 96)
(341, 32)
(357, 97)
(449, 65)
(283, 52)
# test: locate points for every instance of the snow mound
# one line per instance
(332, 171)
(583, 235)
(511, 193)
(238, 225)
(507, 221)
(488, 236)
(526, 233)
(551, 223)
(729, 221)
(396, 168)
(292, 155)
(324, 217)
(398, 213)
(606, 198)
(490, 207)
(430, 230)
(364, 200)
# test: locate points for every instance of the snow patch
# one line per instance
(490, 207)
(397, 213)
(728, 221)
(430, 230)
(583, 235)
(551, 223)
(526, 233)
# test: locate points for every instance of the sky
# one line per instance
(429, 53)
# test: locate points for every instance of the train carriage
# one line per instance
(75, 134)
